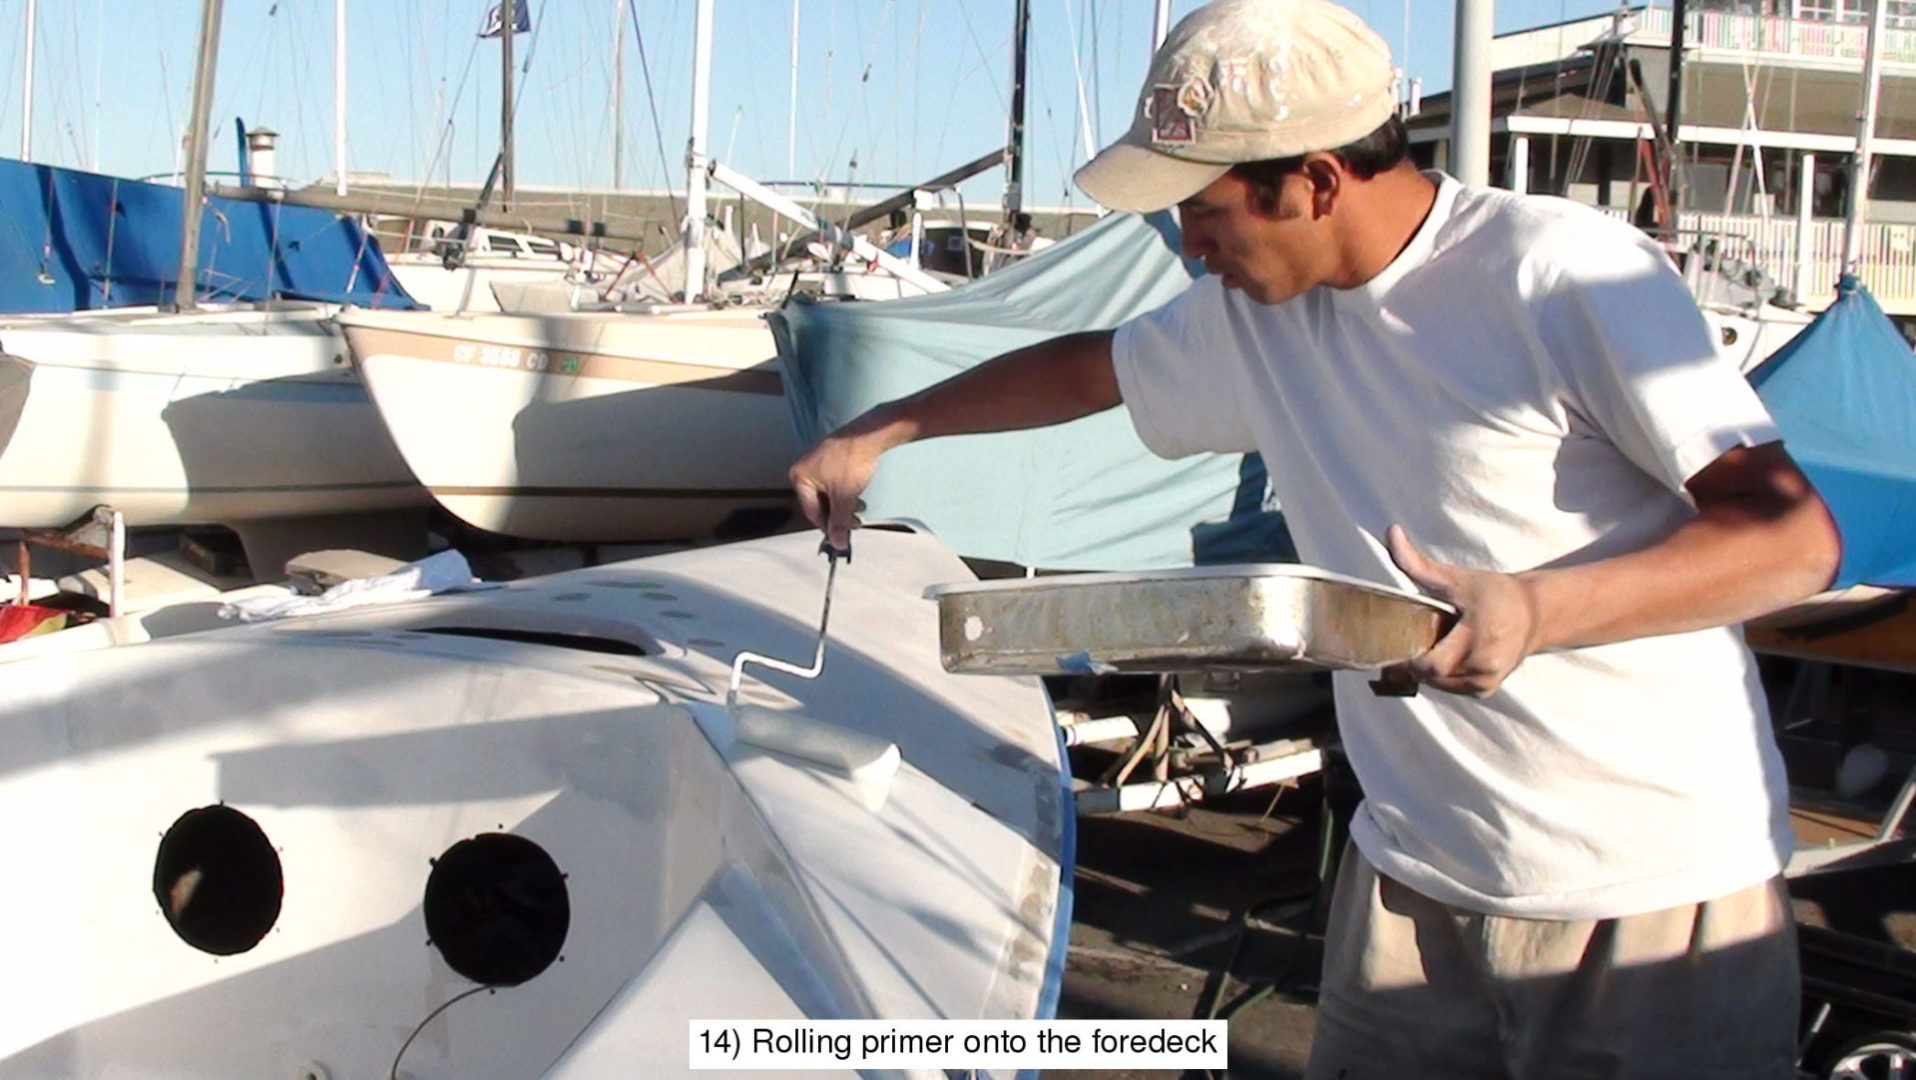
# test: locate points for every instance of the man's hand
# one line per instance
(1498, 621)
(830, 477)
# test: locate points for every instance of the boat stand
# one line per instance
(1174, 759)
(101, 536)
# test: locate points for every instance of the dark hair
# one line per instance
(1381, 150)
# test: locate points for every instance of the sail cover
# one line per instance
(1843, 393)
(75, 241)
(1085, 495)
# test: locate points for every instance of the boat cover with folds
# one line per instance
(1843, 393)
(75, 241)
(1085, 495)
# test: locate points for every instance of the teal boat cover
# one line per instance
(1843, 393)
(1085, 495)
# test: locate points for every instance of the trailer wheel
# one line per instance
(1879, 1055)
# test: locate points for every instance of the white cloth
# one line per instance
(1527, 384)
(438, 573)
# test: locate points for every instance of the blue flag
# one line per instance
(521, 19)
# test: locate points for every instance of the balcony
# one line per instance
(1779, 39)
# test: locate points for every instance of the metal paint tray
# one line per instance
(1265, 616)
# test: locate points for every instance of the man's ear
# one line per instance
(1326, 175)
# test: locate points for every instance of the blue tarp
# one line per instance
(1843, 393)
(72, 241)
(1083, 496)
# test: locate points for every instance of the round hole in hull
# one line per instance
(497, 909)
(218, 880)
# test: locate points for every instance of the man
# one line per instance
(1568, 858)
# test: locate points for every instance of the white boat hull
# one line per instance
(587, 427)
(705, 878)
(216, 417)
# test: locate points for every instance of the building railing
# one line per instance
(1886, 260)
(1779, 37)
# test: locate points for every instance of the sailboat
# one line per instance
(658, 421)
(333, 833)
(217, 392)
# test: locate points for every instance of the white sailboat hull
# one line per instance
(221, 416)
(587, 426)
(705, 878)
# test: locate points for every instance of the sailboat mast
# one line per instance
(1470, 95)
(618, 95)
(1673, 110)
(695, 162)
(1015, 138)
(508, 15)
(339, 97)
(186, 287)
(26, 110)
(1161, 25)
(1865, 136)
(791, 123)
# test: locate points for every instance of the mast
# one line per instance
(791, 124)
(1015, 138)
(26, 110)
(508, 15)
(618, 95)
(1673, 110)
(186, 287)
(695, 159)
(1865, 136)
(339, 97)
(1160, 25)
(1470, 94)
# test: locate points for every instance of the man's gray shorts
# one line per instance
(1415, 988)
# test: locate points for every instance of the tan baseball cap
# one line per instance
(1244, 80)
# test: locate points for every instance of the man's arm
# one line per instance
(1047, 383)
(1761, 540)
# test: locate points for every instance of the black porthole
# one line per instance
(218, 880)
(497, 909)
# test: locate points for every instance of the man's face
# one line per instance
(1271, 249)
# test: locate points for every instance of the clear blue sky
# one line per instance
(906, 88)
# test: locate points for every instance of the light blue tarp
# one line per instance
(74, 241)
(1843, 393)
(1081, 496)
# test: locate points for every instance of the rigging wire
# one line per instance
(652, 103)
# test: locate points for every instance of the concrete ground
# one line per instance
(1159, 899)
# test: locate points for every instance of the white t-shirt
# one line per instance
(1527, 384)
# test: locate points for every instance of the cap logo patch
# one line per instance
(1174, 109)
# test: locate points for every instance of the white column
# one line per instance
(695, 161)
(1520, 163)
(339, 97)
(1805, 237)
(1470, 93)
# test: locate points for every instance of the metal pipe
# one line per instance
(1865, 136)
(1470, 94)
(186, 287)
(695, 159)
